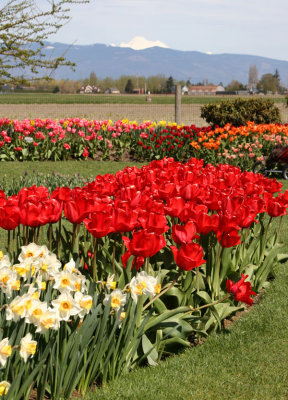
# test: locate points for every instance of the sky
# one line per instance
(255, 27)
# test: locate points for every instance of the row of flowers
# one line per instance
(156, 253)
(81, 139)
(41, 299)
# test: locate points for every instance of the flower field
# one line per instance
(156, 257)
(77, 138)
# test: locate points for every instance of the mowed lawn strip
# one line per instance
(87, 168)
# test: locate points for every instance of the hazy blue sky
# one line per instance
(257, 27)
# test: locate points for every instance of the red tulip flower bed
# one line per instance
(165, 210)
(163, 254)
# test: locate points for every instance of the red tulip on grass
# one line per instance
(242, 291)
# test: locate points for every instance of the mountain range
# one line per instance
(114, 61)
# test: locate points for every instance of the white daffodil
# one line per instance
(49, 265)
(41, 284)
(118, 299)
(16, 309)
(65, 281)
(85, 303)
(35, 312)
(32, 251)
(5, 351)
(4, 260)
(144, 284)
(70, 266)
(5, 276)
(13, 283)
(80, 283)
(4, 387)
(27, 347)
(66, 306)
(26, 268)
(111, 284)
(49, 320)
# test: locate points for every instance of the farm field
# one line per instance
(50, 98)
(190, 113)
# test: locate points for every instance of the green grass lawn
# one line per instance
(87, 168)
(50, 98)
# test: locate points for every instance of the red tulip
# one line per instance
(184, 233)
(228, 239)
(189, 256)
(241, 290)
(154, 222)
(144, 243)
(9, 217)
(99, 224)
(124, 220)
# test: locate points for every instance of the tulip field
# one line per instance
(81, 139)
(129, 268)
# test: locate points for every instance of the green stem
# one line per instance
(114, 252)
(50, 237)
(59, 238)
(94, 265)
(207, 305)
(217, 270)
(8, 241)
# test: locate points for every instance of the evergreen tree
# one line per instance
(129, 86)
(169, 84)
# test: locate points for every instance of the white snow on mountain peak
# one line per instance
(141, 43)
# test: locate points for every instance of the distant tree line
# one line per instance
(158, 84)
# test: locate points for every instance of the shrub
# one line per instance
(238, 112)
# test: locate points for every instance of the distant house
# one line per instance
(205, 90)
(184, 90)
(90, 89)
(138, 91)
(112, 91)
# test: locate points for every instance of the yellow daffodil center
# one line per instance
(157, 288)
(115, 302)
(64, 282)
(5, 279)
(65, 306)
(20, 271)
(28, 304)
(87, 304)
(1, 254)
(30, 348)
(78, 286)
(47, 323)
(37, 313)
(19, 310)
(16, 285)
(3, 389)
(44, 267)
(29, 254)
(139, 289)
(113, 285)
(6, 350)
